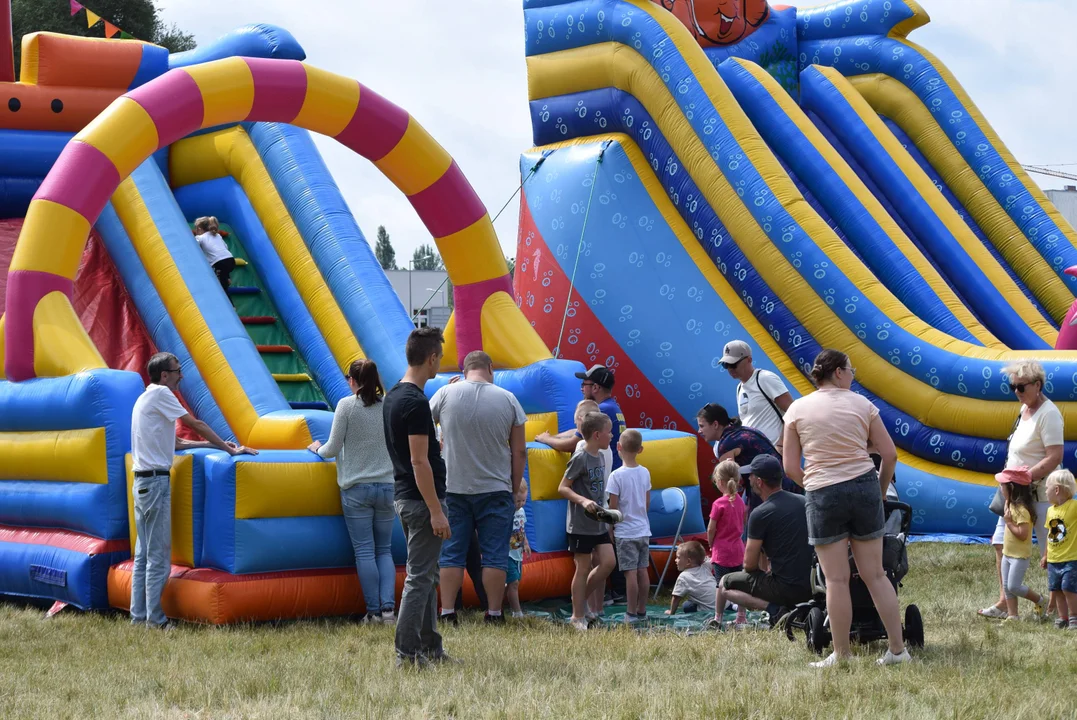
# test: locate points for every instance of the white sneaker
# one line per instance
(388, 618)
(891, 659)
(518, 614)
(579, 624)
(831, 660)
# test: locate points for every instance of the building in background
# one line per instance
(424, 293)
(1066, 202)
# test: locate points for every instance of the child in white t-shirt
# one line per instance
(209, 239)
(518, 549)
(695, 586)
(629, 491)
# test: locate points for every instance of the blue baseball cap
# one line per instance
(767, 468)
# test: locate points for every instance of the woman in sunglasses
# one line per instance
(1036, 443)
(831, 430)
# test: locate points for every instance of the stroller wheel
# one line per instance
(914, 627)
(818, 636)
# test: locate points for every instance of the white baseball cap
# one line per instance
(735, 351)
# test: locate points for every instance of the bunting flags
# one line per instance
(93, 18)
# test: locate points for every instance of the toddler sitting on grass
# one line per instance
(695, 585)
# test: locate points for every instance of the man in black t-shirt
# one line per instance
(419, 493)
(777, 528)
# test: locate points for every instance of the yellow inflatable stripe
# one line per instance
(182, 515)
(925, 269)
(271, 490)
(57, 455)
(61, 345)
(124, 133)
(227, 391)
(505, 334)
(416, 162)
(330, 102)
(458, 251)
(199, 159)
(610, 64)
(996, 143)
(946, 471)
(291, 377)
(941, 207)
(54, 240)
(449, 361)
(545, 468)
(538, 423)
(227, 88)
(891, 98)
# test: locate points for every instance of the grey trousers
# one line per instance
(417, 621)
(1013, 576)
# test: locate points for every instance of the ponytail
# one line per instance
(726, 477)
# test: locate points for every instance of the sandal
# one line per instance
(993, 611)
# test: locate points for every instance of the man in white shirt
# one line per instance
(762, 397)
(153, 444)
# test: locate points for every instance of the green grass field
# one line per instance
(96, 666)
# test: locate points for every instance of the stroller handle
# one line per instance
(904, 508)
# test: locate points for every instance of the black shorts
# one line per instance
(584, 544)
(765, 586)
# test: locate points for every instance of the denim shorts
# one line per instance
(516, 571)
(489, 514)
(851, 509)
(1062, 576)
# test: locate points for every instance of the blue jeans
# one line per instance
(368, 513)
(153, 548)
(489, 514)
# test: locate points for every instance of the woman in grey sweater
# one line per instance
(365, 476)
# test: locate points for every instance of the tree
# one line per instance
(426, 258)
(383, 250)
(140, 18)
(512, 266)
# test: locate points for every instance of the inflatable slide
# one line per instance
(799, 179)
(111, 148)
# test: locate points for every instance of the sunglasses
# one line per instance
(730, 366)
(1020, 387)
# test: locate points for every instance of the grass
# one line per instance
(80, 666)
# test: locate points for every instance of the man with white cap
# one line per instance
(762, 397)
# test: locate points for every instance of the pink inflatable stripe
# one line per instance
(376, 127)
(469, 300)
(174, 103)
(83, 179)
(449, 205)
(25, 288)
(280, 86)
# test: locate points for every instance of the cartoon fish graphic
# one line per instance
(719, 22)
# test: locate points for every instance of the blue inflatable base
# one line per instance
(52, 573)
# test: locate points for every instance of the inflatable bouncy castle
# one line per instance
(712, 170)
(110, 149)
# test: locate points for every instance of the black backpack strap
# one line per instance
(771, 400)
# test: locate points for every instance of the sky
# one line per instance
(459, 69)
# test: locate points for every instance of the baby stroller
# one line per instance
(811, 616)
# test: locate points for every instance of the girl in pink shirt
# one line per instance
(726, 526)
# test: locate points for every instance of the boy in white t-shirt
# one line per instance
(695, 586)
(220, 258)
(629, 490)
(762, 397)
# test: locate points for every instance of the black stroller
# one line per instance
(811, 616)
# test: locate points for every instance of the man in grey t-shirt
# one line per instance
(482, 432)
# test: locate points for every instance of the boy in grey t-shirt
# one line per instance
(586, 519)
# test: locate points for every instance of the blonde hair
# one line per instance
(594, 422)
(631, 441)
(1029, 371)
(582, 408)
(726, 477)
(693, 550)
(1064, 479)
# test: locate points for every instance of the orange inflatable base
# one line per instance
(204, 595)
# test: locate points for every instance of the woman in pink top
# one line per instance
(831, 428)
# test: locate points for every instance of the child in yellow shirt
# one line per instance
(1020, 516)
(1061, 560)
